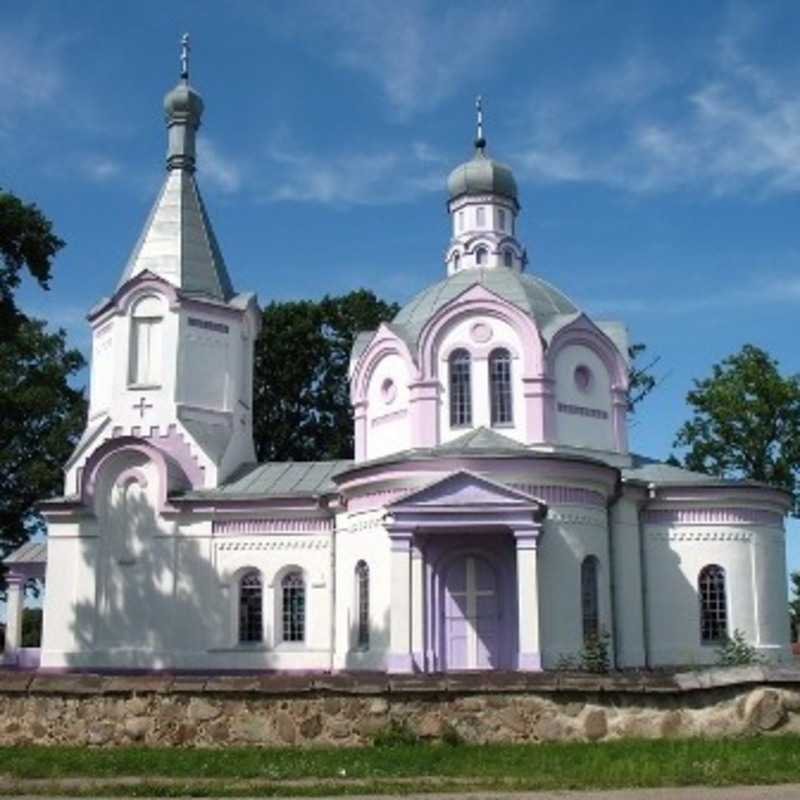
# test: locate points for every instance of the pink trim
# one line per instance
(478, 299)
(175, 444)
(392, 416)
(132, 475)
(110, 449)
(713, 516)
(367, 502)
(250, 526)
(563, 495)
(424, 407)
(724, 494)
(582, 411)
(384, 343)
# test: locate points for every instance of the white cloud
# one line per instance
(378, 178)
(646, 126)
(217, 169)
(770, 291)
(31, 75)
(99, 168)
(419, 51)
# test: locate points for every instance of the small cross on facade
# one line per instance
(141, 406)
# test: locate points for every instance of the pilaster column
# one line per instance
(400, 658)
(417, 607)
(539, 394)
(619, 411)
(423, 403)
(15, 602)
(360, 430)
(529, 654)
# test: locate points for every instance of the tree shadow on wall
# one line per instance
(157, 601)
(372, 656)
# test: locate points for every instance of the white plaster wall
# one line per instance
(361, 536)
(575, 429)
(628, 609)
(756, 591)
(388, 419)
(459, 335)
(571, 534)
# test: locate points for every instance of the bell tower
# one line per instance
(172, 348)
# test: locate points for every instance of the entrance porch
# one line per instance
(464, 577)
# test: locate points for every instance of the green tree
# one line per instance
(42, 415)
(300, 388)
(641, 380)
(27, 242)
(746, 422)
(794, 605)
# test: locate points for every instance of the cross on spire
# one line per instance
(480, 142)
(185, 48)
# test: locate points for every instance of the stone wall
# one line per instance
(201, 711)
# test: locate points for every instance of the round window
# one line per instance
(583, 378)
(388, 391)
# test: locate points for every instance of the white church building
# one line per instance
(492, 518)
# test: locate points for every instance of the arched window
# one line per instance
(481, 256)
(713, 604)
(508, 258)
(590, 607)
(456, 262)
(250, 605)
(500, 387)
(362, 605)
(480, 217)
(145, 349)
(501, 219)
(460, 389)
(293, 607)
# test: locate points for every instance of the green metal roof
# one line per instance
(535, 297)
(277, 479)
(482, 175)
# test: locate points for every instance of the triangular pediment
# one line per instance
(465, 489)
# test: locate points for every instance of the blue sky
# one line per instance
(657, 148)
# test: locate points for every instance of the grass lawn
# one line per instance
(260, 771)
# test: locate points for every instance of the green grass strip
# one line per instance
(577, 765)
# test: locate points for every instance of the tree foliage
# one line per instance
(42, 419)
(300, 388)
(42, 415)
(27, 242)
(746, 422)
(794, 605)
(641, 379)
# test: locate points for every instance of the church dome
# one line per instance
(535, 297)
(183, 100)
(482, 175)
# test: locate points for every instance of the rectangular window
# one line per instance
(500, 387)
(480, 217)
(145, 351)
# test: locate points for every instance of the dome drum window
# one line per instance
(481, 256)
(500, 394)
(460, 389)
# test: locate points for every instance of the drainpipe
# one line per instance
(612, 501)
(651, 489)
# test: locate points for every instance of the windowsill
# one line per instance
(144, 386)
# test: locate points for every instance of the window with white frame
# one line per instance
(460, 389)
(500, 387)
(362, 605)
(480, 217)
(481, 256)
(713, 604)
(590, 606)
(145, 342)
(501, 219)
(293, 607)
(251, 599)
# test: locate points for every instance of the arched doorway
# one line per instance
(471, 615)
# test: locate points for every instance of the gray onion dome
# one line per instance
(482, 175)
(183, 101)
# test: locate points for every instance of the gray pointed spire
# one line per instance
(177, 242)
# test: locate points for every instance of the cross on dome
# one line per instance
(185, 48)
(480, 142)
